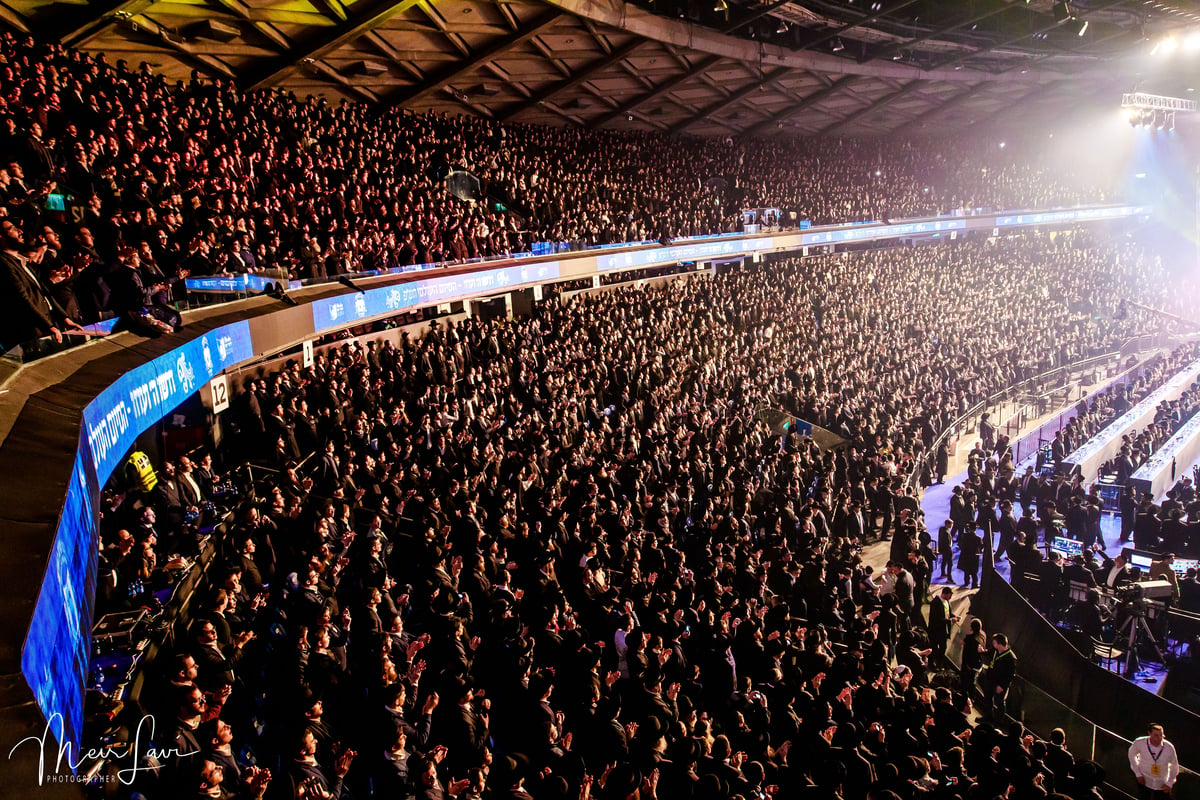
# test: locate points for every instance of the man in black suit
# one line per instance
(463, 728)
(192, 708)
(329, 473)
(1128, 512)
(1077, 572)
(216, 667)
(1189, 591)
(1116, 572)
(26, 310)
(1002, 668)
(167, 498)
(1007, 528)
(1146, 524)
(1076, 521)
(1027, 489)
(1058, 448)
(308, 774)
(1053, 584)
(252, 576)
(945, 545)
(278, 427)
(941, 621)
(190, 489)
(205, 476)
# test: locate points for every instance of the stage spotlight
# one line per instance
(1062, 12)
(1083, 26)
(837, 46)
(783, 27)
(1168, 45)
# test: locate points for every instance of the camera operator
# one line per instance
(1116, 572)
(1091, 615)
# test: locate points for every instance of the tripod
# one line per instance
(1135, 628)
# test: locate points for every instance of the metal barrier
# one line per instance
(1042, 713)
(970, 419)
(1048, 662)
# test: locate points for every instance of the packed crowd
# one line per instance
(1137, 447)
(117, 184)
(569, 556)
(1025, 514)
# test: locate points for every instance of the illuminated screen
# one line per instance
(58, 646)
(1142, 562)
(1068, 547)
(55, 658)
(345, 309)
(142, 396)
(1182, 565)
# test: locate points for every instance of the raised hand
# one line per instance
(342, 765)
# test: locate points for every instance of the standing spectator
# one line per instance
(945, 545)
(1001, 669)
(974, 651)
(941, 623)
(969, 546)
(27, 311)
(1154, 763)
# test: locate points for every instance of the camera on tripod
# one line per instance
(1130, 599)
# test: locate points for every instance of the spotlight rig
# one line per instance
(1155, 110)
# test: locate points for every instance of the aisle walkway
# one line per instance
(935, 501)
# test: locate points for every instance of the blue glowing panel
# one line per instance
(685, 252)
(347, 309)
(1071, 215)
(1068, 547)
(871, 232)
(143, 395)
(55, 657)
(240, 284)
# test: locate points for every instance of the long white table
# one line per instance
(1165, 467)
(1104, 446)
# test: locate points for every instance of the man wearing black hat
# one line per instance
(1007, 527)
(1129, 504)
(1146, 524)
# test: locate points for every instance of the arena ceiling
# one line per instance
(709, 67)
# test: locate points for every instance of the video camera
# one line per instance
(1130, 599)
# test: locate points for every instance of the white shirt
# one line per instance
(1146, 760)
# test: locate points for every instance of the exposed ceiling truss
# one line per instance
(566, 61)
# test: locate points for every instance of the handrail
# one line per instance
(813, 234)
(1140, 340)
(991, 399)
(150, 377)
